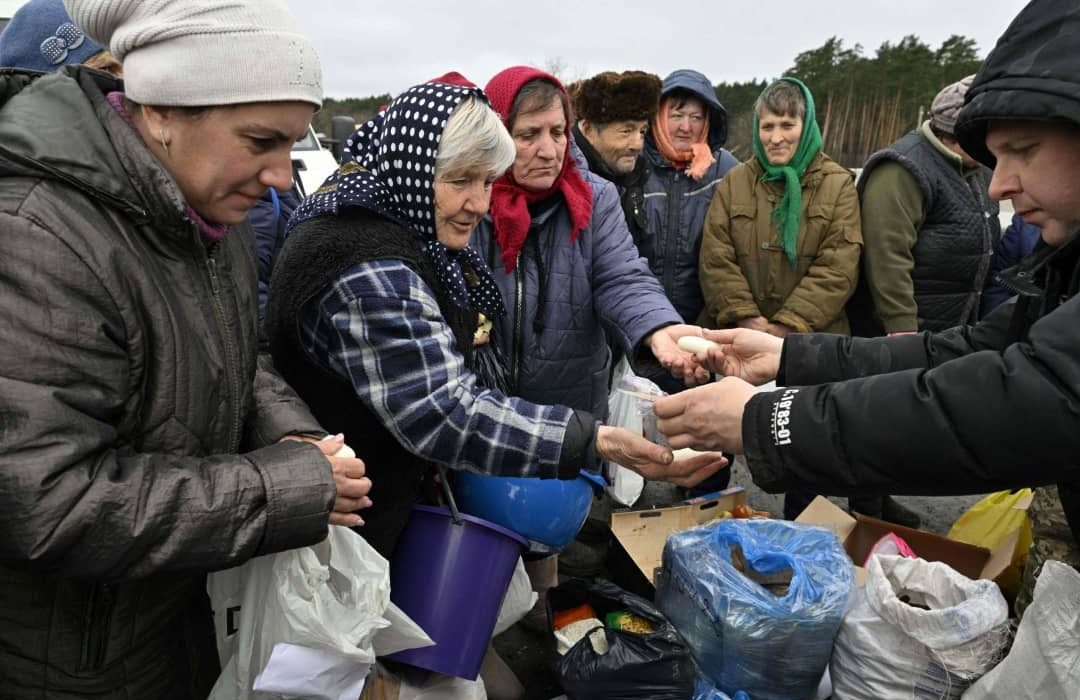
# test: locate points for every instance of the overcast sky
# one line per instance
(383, 46)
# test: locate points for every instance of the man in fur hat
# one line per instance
(613, 111)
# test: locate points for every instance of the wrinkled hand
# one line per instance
(655, 462)
(754, 323)
(749, 355)
(349, 480)
(683, 365)
(707, 417)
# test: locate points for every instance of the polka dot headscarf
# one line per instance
(389, 168)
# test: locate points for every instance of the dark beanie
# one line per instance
(1033, 73)
(611, 97)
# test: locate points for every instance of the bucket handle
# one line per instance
(448, 495)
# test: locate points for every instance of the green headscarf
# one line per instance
(788, 213)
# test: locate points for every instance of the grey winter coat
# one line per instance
(675, 204)
(130, 380)
(557, 312)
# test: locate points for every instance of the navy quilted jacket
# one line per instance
(675, 205)
(562, 296)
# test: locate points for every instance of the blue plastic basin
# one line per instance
(548, 511)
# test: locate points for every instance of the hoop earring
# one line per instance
(164, 143)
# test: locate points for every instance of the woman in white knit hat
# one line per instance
(143, 434)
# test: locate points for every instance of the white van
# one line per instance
(312, 162)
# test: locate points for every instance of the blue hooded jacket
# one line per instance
(675, 204)
(1016, 243)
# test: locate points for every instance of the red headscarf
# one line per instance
(509, 201)
(454, 78)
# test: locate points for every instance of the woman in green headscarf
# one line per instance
(781, 244)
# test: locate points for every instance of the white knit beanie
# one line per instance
(196, 53)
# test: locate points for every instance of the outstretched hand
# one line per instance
(707, 417)
(655, 462)
(682, 364)
(752, 356)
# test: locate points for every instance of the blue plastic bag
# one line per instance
(743, 636)
(704, 690)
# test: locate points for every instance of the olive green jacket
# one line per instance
(744, 272)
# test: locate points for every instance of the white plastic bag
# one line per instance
(519, 599)
(333, 598)
(1044, 662)
(889, 646)
(625, 485)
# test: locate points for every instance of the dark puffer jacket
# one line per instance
(675, 204)
(987, 414)
(562, 296)
(129, 382)
(960, 391)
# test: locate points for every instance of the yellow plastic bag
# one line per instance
(990, 521)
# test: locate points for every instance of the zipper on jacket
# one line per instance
(96, 626)
(971, 310)
(519, 313)
(1020, 278)
(232, 361)
(675, 205)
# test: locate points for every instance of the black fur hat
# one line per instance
(611, 97)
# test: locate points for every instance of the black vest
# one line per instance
(956, 241)
(316, 253)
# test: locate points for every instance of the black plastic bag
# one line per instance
(656, 665)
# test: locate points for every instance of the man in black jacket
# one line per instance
(967, 410)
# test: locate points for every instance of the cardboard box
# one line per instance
(859, 533)
(640, 536)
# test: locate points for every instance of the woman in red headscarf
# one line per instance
(564, 260)
(562, 256)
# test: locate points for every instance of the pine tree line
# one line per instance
(863, 103)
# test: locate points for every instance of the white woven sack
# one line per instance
(889, 648)
(1044, 661)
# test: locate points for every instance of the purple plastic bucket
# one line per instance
(451, 578)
